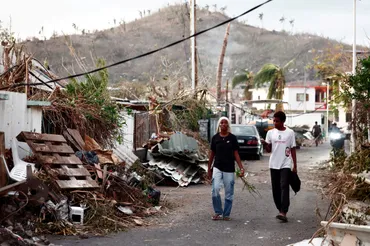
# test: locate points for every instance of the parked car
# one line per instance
(249, 140)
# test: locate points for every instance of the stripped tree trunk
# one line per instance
(220, 65)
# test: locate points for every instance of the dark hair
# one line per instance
(281, 115)
(316, 122)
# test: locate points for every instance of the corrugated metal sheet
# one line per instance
(15, 116)
(213, 127)
(179, 171)
(180, 146)
(126, 155)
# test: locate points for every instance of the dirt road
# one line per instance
(253, 219)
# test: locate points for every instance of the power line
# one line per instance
(148, 53)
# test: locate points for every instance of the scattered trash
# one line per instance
(125, 210)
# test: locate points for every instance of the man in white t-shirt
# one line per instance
(281, 142)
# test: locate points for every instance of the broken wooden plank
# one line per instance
(49, 148)
(11, 187)
(77, 137)
(71, 141)
(3, 172)
(23, 136)
(77, 184)
(2, 143)
(61, 160)
(71, 172)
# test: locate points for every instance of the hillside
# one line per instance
(248, 48)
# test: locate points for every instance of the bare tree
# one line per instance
(220, 64)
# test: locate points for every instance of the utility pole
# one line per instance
(354, 62)
(327, 109)
(193, 46)
(304, 85)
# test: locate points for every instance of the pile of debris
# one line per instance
(177, 158)
(72, 188)
(303, 136)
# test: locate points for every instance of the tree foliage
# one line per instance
(245, 78)
(275, 75)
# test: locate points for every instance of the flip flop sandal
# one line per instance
(217, 217)
(282, 218)
(227, 218)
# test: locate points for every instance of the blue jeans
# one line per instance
(227, 179)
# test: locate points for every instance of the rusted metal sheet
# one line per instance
(145, 126)
(141, 131)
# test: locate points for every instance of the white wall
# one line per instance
(304, 119)
(15, 116)
(128, 131)
(290, 96)
(260, 94)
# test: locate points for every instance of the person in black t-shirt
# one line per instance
(224, 152)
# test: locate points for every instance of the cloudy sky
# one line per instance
(329, 18)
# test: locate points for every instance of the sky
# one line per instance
(328, 18)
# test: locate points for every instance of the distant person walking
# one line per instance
(316, 132)
(281, 142)
(224, 152)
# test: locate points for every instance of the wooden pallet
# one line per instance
(58, 160)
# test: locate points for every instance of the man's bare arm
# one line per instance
(294, 157)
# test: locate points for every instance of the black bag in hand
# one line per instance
(295, 182)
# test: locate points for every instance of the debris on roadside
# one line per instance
(73, 193)
(177, 158)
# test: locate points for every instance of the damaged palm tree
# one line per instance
(221, 63)
(275, 75)
(245, 80)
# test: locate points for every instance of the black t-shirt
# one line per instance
(224, 148)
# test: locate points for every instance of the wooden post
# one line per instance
(27, 88)
(2, 143)
(29, 172)
(194, 60)
(105, 171)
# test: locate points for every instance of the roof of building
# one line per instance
(301, 83)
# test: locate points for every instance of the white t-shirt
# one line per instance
(282, 142)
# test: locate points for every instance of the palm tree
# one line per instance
(282, 20)
(260, 16)
(276, 76)
(292, 24)
(245, 78)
